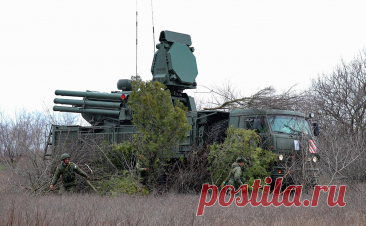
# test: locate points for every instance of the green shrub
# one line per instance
(240, 142)
(122, 155)
(161, 125)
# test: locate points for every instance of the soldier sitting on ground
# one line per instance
(236, 177)
(67, 170)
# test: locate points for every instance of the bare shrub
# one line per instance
(88, 152)
(60, 118)
(341, 95)
(188, 175)
(340, 100)
(343, 155)
(227, 98)
(21, 135)
(21, 143)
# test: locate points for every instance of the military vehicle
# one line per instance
(109, 114)
(288, 134)
(174, 65)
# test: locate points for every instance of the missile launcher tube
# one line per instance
(113, 96)
(88, 111)
(87, 103)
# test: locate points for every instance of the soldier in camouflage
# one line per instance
(236, 177)
(67, 170)
(141, 171)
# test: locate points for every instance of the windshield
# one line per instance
(288, 124)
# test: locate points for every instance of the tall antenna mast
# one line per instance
(136, 37)
(152, 18)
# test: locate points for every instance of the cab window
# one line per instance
(256, 123)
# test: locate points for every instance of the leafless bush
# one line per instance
(227, 98)
(189, 175)
(343, 155)
(341, 95)
(21, 135)
(88, 152)
(21, 144)
(221, 94)
(60, 118)
(339, 98)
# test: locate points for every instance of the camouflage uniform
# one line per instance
(236, 177)
(67, 172)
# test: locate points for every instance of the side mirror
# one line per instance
(316, 129)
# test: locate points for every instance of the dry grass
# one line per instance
(87, 209)
(18, 207)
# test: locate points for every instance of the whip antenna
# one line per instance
(136, 37)
(152, 18)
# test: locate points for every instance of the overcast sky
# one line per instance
(89, 45)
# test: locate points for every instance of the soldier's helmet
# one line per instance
(64, 156)
(240, 159)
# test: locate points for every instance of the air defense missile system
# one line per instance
(282, 131)
(173, 64)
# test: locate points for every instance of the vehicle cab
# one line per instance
(288, 134)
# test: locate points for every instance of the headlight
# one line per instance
(280, 157)
(315, 159)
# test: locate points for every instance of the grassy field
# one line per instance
(19, 208)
